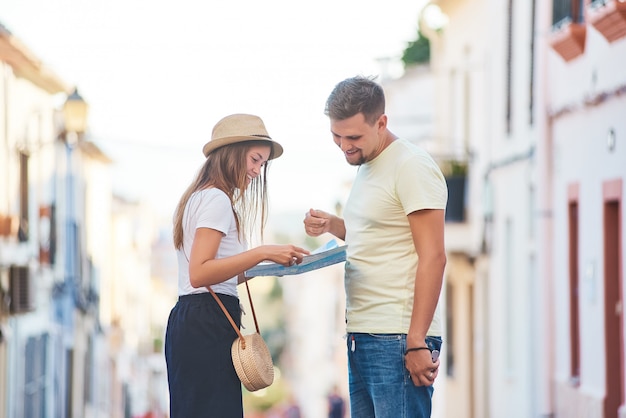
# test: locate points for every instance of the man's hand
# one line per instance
(421, 366)
(316, 222)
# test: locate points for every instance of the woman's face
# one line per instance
(256, 158)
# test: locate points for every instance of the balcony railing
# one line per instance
(569, 32)
(566, 11)
(609, 18)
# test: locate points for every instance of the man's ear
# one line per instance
(382, 122)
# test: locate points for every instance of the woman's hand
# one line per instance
(206, 270)
(287, 255)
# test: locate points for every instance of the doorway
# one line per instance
(613, 298)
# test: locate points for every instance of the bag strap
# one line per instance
(230, 319)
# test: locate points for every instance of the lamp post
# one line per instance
(75, 120)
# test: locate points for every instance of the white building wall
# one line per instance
(27, 125)
(128, 315)
(516, 310)
(98, 202)
(511, 307)
(458, 64)
(470, 65)
(585, 101)
(582, 158)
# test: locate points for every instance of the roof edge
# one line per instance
(26, 65)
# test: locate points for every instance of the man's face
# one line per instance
(359, 141)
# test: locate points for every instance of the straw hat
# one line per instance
(239, 128)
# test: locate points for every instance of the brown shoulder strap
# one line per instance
(230, 319)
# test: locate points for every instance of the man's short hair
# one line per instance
(356, 95)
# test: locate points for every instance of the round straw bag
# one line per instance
(253, 362)
(251, 357)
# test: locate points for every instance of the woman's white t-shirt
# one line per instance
(209, 208)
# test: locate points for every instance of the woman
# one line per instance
(212, 224)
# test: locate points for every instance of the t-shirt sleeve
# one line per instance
(421, 185)
(214, 211)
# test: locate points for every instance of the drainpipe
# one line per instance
(544, 215)
(5, 133)
(5, 349)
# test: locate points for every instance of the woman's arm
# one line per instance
(206, 270)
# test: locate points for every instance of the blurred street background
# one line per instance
(105, 107)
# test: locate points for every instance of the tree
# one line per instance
(417, 51)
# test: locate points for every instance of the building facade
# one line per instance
(81, 317)
(534, 285)
(585, 137)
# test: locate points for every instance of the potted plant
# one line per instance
(455, 172)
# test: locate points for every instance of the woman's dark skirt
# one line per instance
(202, 379)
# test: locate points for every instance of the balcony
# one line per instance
(569, 31)
(12, 249)
(569, 40)
(8, 226)
(608, 17)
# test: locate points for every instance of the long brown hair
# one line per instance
(226, 169)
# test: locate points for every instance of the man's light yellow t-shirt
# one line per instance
(381, 261)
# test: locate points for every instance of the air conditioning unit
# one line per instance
(20, 290)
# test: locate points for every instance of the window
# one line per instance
(23, 228)
(574, 323)
(566, 11)
(35, 376)
(509, 69)
(531, 84)
(613, 297)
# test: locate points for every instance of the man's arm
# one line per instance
(427, 228)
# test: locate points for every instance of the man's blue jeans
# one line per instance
(380, 384)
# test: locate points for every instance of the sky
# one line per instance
(159, 74)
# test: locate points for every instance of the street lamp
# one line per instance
(75, 114)
(66, 295)
(75, 120)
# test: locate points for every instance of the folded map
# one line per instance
(326, 255)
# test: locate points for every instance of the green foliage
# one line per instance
(417, 51)
(454, 168)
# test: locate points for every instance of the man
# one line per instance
(393, 217)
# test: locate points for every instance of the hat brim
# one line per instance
(209, 147)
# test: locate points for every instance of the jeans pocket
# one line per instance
(386, 337)
(434, 343)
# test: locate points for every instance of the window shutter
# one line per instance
(20, 289)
